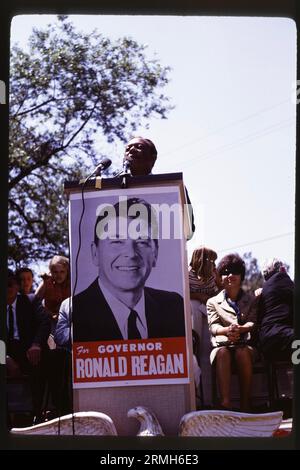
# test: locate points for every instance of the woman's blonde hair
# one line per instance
(57, 259)
(202, 262)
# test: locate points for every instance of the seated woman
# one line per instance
(231, 319)
(203, 284)
(202, 274)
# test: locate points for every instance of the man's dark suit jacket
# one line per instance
(191, 211)
(276, 316)
(32, 320)
(93, 319)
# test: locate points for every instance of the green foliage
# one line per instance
(253, 278)
(68, 93)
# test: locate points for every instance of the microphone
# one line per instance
(103, 165)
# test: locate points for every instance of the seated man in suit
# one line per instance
(117, 305)
(28, 328)
(276, 332)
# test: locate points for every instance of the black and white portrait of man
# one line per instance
(118, 304)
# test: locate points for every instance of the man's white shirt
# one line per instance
(14, 306)
(121, 313)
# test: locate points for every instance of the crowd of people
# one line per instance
(243, 326)
(31, 350)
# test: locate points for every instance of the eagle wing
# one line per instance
(80, 424)
(215, 423)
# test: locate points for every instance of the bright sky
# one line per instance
(232, 132)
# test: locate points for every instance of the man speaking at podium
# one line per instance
(140, 157)
(118, 305)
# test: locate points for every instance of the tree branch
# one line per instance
(82, 125)
(23, 215)
(27, 171)
(44, 160)
(21, 103)
(14, 116)
(30, 222)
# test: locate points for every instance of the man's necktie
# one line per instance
(10, 323)
(133, 332)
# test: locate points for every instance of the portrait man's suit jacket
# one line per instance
(32, 320)
(93, 319)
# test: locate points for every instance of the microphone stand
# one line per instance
(124, 175)
(95, 175)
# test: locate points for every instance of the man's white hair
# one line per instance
(272, 266)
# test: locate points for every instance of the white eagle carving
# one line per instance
(215, 423)
(149, 423)
(83, 423)
(206, 423)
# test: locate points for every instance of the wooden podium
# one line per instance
(116, 374)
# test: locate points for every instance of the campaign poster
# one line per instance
(128, 255)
